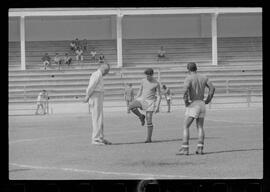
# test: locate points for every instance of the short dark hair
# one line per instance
(149, 71)
(164, 86)
(192, 66)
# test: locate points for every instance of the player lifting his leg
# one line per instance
(194, 87)
(148, 99)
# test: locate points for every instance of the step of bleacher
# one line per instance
(243, 55)
(164, 74)
(68, 75)
(176, 87)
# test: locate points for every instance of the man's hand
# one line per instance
(208, 99)
(85, 100)
(187, 103)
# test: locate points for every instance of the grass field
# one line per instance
(59, 146)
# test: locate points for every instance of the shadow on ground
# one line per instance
(158, 141)
(228, 151)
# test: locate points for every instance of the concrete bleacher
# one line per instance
(35, 50)
(239, 67)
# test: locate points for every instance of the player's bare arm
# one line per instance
(139, 92)
(185, 95)
(210, 93)
(158, 93)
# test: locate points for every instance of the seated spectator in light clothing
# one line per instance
(46, 60)
(84, 45)
(161, 53)
(73, 46)
(67, 59)
(101, 58)
(57, 60)
(77, 43)
(79, 54)
(93, 54)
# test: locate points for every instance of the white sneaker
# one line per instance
(98, 143)
(101, 142)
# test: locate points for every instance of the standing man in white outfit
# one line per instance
(94, 97)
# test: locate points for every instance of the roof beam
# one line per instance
(125, 11)
(189, 11)
(61, 12)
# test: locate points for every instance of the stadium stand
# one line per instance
(239, 69)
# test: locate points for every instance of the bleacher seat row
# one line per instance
(239, 67)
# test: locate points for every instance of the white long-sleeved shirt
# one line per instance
(95, 83)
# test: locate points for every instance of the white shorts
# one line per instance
(196, 109)
(147, 105)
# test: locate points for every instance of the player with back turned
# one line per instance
(194, 87)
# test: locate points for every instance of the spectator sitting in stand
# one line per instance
(101, 58)
(77, 43)
(79, 54)
(46, 60)
(57, 60)
(161, 53)
(67, 59)
(73, 46)
(84, 45)
(93, 54)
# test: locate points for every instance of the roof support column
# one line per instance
(119, 18)
(22, 38)
(214, 39)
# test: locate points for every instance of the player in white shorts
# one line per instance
(194, 87)
(41, 102)
(148, 99)
(168, 96)
(196, 109)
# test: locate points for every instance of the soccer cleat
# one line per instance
(142, 119)
(183, 151)
(148, 141)
(199, 151)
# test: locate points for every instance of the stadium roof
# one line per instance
(127, 11)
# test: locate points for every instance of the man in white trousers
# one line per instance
(94, 97)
